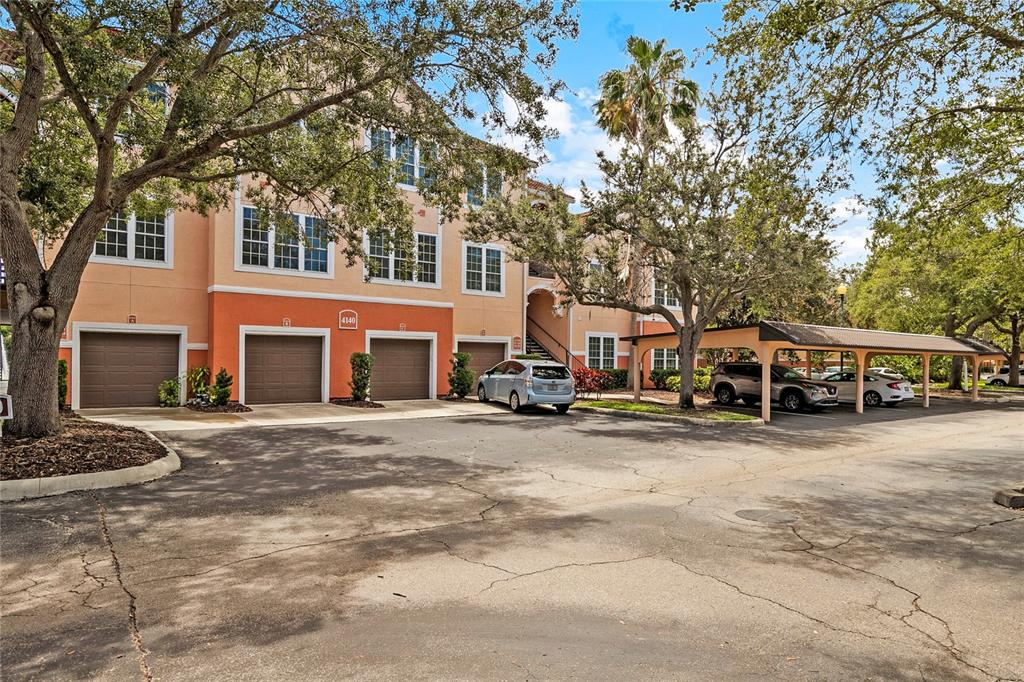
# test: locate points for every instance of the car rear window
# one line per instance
(551, 372)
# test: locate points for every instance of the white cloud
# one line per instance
(851, 241)
(849, 207)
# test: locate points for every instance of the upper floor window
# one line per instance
(412, 155)
(664, 358)
(664, 294)
(489, 187)
(395, 265)
(601, 351)
(483, 270)
(137, 240)
(305, 249)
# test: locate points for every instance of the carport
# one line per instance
(769, 337)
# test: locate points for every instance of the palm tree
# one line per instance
(639, 103)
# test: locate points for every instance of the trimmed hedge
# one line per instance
(701, 380)
(617, 378)
(658, 377)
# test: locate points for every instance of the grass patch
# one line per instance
(655, 408)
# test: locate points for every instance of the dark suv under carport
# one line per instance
(790, 389)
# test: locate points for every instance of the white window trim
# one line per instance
(393, 156)
(670, 352)
(654, 295)
(258, 330)
(430, 336)
(166, 264)
(483, 274)
(506, 340)
(391, 264)
(602, 335)
(121, 328)
(485, 192)
(269, 268)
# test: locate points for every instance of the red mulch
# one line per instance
(232, 406)
(82, 447)
(348, 402)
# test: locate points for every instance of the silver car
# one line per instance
(528, 382)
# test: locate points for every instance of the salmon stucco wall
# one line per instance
(229, 312)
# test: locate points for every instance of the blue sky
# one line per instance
(604, 27)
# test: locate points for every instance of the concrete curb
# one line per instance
(651, 416)
(28, 488)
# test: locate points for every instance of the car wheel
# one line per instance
(791, 401)
(997, 382)
(481, 394)
(872, 399)
(513, 402)
(725, 395)
(562, 409)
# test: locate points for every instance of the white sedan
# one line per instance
(878, 388)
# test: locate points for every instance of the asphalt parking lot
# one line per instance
(508, 547)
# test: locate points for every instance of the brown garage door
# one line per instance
(283, 369)
(401, 369)
(484, 355)
(125, 370)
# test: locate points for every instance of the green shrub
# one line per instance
(169, 393)
(617, 378)
(220, 392)
(362, 368)
(198, 381)
(461, 377)
(701, 380)
(62, 383)
(528, 356)
(672, 383)
(658, 377)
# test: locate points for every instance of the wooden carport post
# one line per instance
(862, 357)
(926, 380)
(636, 372)
(766, 354)
(975, 378)
(810, 365)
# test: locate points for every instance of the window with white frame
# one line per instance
(130, 238)
(664, 358)
(483, 269)
(412, 155)
(302, 250)
(395, 264)
(490, 187)
(601, 351)
(664, 294)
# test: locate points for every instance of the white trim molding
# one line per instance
(429, 336)
(507, 340)
(602, 335)
(259, 291)
(198, 346)
(121, 328)
(270, 268)
(483, 269)
(130, 260)
(259, 330)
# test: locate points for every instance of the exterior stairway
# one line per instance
(534, 348)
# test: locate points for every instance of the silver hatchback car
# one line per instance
(528, 382)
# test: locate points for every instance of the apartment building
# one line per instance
(165, 293)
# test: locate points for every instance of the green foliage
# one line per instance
(701, 380)
(589, 382)
(5, 333)
(62, 382)
(220, 392)
(528, 356)
(461, 377)
(659, 377)
(362, 368)
(169, 392)
(198, 379)
(617, 378)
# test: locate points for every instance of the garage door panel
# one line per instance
(401, 369)
(484, 355)
(283, 369)
(125, 370)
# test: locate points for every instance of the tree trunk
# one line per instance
(33, 383)
(689, 339)
(1016, 330)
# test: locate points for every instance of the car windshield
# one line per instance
(786, 373)
(550, 372)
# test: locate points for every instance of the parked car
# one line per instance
(1000, 378)
(879, 389)
(887, 372)
(790, 389)
(528, 382)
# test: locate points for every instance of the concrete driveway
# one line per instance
(502, 547)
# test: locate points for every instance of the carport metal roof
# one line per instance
(770, 336)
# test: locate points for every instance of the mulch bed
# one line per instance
(348, 402)
(83, 447)
(232, 406)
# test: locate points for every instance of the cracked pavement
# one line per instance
(536, 547)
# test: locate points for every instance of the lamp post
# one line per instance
(841, 290)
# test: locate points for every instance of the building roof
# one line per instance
(820, 336)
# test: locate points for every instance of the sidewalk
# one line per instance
(184, 419)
